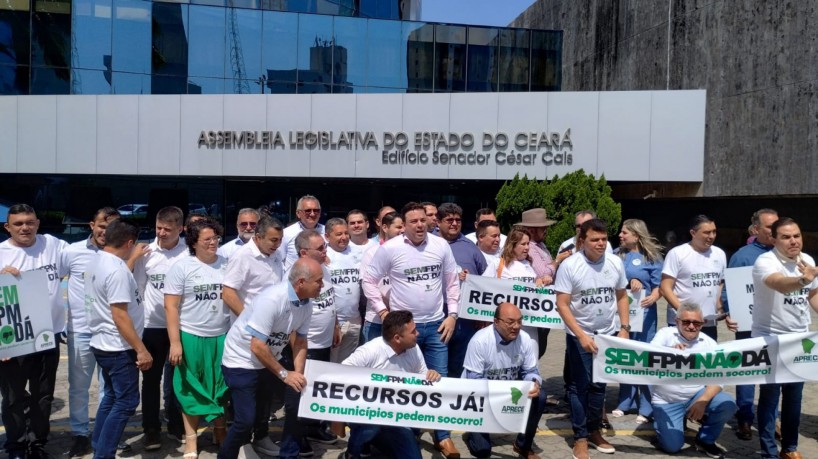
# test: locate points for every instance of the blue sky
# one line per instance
(473, 12)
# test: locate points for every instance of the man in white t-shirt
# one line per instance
(74, 261)
(116, 320)
(254, 266)
(246, 224)
(488, 240)
(151, 264)
(590, 294)
(672, 403)
(358, 225)
(694, 273)
(505, 352)
(396, 350)
(487, 215)
(308, 212)
(254, 346)
(28, 251)
(421, 269)
(785, 287)
(344, 270)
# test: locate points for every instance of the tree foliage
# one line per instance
(562, 197)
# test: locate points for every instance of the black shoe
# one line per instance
(322, 435)
(177, 437)
(80, 447)
(711, 450)
(152, 440)
(123, 447)
(305, 450)
(366, 451)
(37, 452)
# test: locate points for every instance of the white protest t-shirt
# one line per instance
(359, 250)
(383, 286)
(74, 261)
(593, 289)
(516, 270)
(272, 313)
(776, 313)
(150, 272)
(109, 281)
(486, 356)
(491, 258)
(419, 277)
(322, 323)
(229, 248)
(675, 393)
(288, 253)
(249, 271)
(44, 255)
(201, 311)
(344, 270)
(698, 278)
(378, 354)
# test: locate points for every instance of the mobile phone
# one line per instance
(567, 248)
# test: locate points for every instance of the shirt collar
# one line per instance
(685, 340)
(762, 246)
(499, 339)
(159, 248)
(89, 244)
(598, 262)
(294, 300)
(406, 240)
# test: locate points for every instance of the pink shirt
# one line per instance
(540, 259)
(417, 277)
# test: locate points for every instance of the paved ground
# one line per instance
(553, 439)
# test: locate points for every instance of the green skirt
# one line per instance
(197, 380)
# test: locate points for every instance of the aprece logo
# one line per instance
(807, 357)
(516, 396)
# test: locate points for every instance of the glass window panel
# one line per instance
(349, 58)
(345, 89)
(131, 44)
(220, 3)
(482, 75)
(90, 82)
(202, 85)
(131, 83)
(315, 62)
(279, 46)
(14, 80)
(546, 62)
(243, 51)
(301, 6)
(91, 33)
(207, 34)
(420, 56)
(51, 36)
(450, 58)
(314, 88)
(15, 38)
(248, 4)
(169, 42)
(515, 52)
(381, 90)
(15, 5)
(50, 80)
(168, 84)
(281, 87)
(386, 54)
(232, 86)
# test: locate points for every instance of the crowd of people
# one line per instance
(220, 331)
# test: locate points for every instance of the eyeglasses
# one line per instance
(323, 248)
(212, 240)
(577, 226)
(512, 322)
(311, 211)
(248, 224)
(688, 323)
(452, 220)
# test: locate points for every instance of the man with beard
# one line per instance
(246, 224)
(308, 212)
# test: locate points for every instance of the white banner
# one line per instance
(480, 296)
(739, 285)
(365, 396)
(772, 359)
(25, 315)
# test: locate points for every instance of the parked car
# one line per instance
(133, 210)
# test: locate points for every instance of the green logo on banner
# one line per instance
(515, 395)
(807, 345)
(45, 337)
(6, 334)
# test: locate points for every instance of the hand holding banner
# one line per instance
(24, 327)
(362, 395)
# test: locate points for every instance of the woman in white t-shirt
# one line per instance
(515, 263)
(392, 224)
(197, 326)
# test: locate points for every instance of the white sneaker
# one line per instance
(266, 446)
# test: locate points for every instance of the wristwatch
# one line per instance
(283, 374)
(453, 315)
(803, 282)
(626, 327)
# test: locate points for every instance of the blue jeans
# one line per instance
(81, 366)
(398, 442)
(294, 427)
(638, 397)
(459, 342)
(479, 444)
(436, 355)
(669, 421)
(121, 399)
(768, 395)
(745, 393)
(243, 384)
(586, 397)
(370, 331)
